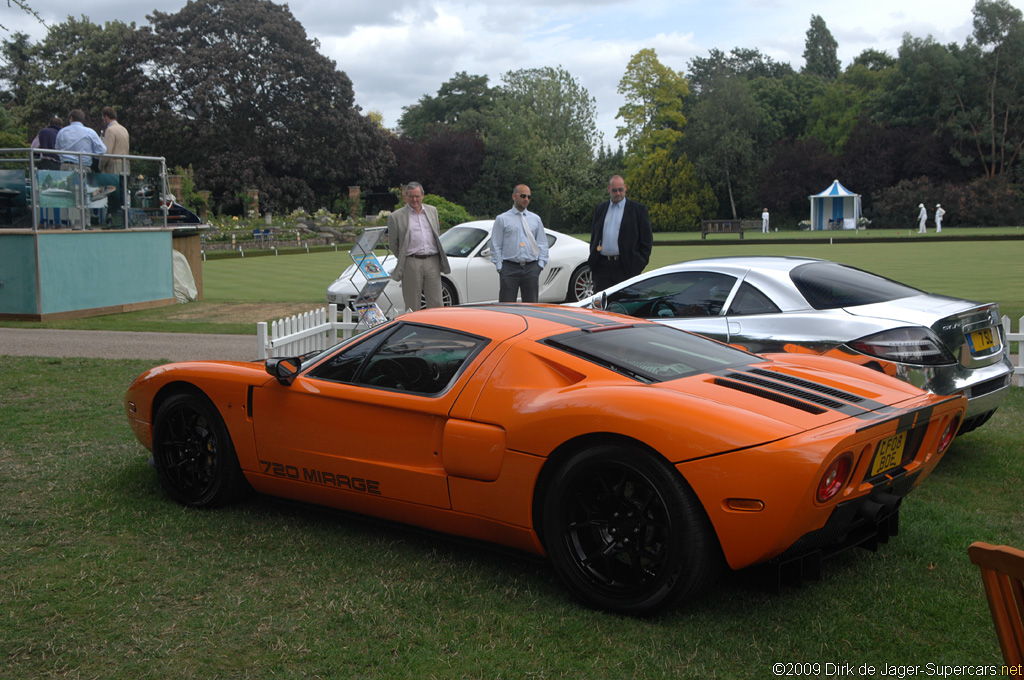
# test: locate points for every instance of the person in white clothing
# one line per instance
(764, 221)
(939, 212)
(922, 218)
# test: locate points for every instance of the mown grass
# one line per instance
(982, 270)
(104, 577)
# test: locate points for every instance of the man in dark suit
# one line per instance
(620, 237)
(414, 235)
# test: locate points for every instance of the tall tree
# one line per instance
(85, 66)
(16, 69)
(821, 50)
(996, 124)
(658, 171)
(722, 140)
(653, 112)
(832, 115)
(459, 105)
(973, 91)
(236, 89)
(542, 131)
(744, 63)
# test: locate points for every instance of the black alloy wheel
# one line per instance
(193, 453)
(626, 533)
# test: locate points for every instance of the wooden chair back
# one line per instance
(1002, 572)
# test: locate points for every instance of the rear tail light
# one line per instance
(948, 434)
(912, 345)
(835, 477)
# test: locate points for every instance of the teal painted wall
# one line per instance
(18, 274)
(92, 269)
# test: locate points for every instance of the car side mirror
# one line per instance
(284, 369)
(602, 300)
(486, 252)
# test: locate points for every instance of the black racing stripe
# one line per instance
(907, 419)
(567, 316)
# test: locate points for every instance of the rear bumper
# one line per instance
(863, 522)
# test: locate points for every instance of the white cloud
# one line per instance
(396, 51)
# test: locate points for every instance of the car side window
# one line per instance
(415, 359)
(680, 294)
(750, 300)
(343, 366)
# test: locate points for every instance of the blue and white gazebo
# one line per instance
(835, 208)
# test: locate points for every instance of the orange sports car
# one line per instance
(639, 458)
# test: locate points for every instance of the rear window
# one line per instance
(650, 352)
(828, 285)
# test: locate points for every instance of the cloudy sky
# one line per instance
(395, 51)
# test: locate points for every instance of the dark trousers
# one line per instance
(516, 279)
(608, 272)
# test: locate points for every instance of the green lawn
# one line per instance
(104, 577)
(978, 270)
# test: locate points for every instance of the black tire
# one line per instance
(626, 533)
(193, 453)
(581, 284)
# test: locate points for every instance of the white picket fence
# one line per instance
(319, 329)
(1018, 367)
(309, 332)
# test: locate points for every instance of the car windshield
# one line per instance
(461, 241)
(650, 353)
(828, 285)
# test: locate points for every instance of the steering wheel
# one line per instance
(663, 309)
(390, 373)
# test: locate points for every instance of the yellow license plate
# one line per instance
(981, 340)
(888, 453)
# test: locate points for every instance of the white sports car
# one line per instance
(567, 277)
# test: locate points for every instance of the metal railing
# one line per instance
(37, 192)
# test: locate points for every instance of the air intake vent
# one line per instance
(808, 385)
(792, 391)
(768, 394)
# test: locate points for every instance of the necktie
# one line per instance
(534, 250)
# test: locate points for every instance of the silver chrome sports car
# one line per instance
(474, 279)
(942, 344)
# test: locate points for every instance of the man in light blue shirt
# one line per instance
(76, 137)
(519, 249)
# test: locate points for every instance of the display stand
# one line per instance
(376, 277)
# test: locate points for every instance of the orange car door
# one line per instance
(371, 419)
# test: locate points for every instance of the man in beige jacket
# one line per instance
(414, 236)
(115, 136)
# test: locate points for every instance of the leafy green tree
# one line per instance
(676, 198)
(541, 131)
(81, 65)
(784, 103)
(835, 113)
(971, 91)
(820, 51)
(658, 172)
(745, 63)
(448, 214)
(653, 113)
(723, 141)
(446, 161)
(459, 105)
(236, 89)
(16, 69)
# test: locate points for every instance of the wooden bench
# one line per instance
(727, 227)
